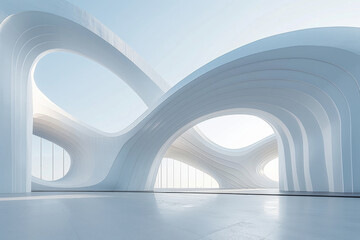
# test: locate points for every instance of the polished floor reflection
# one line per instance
(120, 215)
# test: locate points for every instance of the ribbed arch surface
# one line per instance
(176, 174)
(285, 87)
(33, 34)
(232, 169)
(305, 84)
(88, 91)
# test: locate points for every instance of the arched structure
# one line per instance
(230, 168)
(304, 83)
(26, 36)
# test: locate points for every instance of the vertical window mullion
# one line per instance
(41, 158)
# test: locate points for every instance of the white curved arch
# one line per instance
(25, 38)
(304, 83)
(239, 169)
(292, 92)
(319, 110)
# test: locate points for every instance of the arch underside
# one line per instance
(232, 169)
(305, 84)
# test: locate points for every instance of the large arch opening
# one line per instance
(271, 170)
(94, 95)
(234, 131)
(237, 151)
(97, 103)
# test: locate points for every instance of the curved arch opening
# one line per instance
(271, 170)
(234, 131)
(88, 91)
(50, 162)
(239, 150)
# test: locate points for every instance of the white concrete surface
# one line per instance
(305, 84)
(121, 215)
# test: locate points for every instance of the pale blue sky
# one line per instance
(175, 38)
(235, 131)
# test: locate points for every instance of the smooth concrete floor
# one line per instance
(122, 215)
(271, 191)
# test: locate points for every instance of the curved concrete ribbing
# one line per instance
(295, 89)
(304, 83)
(298, 87)
(231, 169)
(25, 38)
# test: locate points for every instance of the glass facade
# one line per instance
(50, 162)
(176, 174)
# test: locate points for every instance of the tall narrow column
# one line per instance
(15, 115)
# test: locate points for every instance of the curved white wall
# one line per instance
(305, 84)
(239, 169)
(26, 35)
